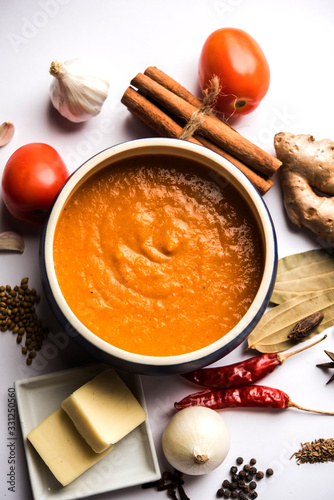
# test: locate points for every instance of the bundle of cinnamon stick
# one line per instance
(166, 107)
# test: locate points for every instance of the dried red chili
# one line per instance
(256, 396)
(243, 373)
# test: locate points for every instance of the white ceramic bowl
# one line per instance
(164, 364)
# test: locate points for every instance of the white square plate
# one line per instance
(132, 461)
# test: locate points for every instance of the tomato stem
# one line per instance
(240, 104)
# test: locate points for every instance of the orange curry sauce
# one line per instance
(158, 256)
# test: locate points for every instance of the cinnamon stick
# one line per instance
(169, 83)
(165, 126)
(261, 184)
(212, 128)
(151, 115)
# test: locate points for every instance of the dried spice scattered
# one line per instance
(303, 327)
(171, 482)
(243, 482)
(328, 365)
(318, 451)
(18, 315)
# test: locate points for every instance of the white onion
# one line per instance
(196, 440)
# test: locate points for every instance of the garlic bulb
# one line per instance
(79, 88)
(196, 440)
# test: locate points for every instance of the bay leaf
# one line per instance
(303, 273)
(302, 286)
(271, 333)
(280, 296)
(317, 267)
(303, 260)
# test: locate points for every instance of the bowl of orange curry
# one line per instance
(159, 256)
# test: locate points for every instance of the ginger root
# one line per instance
(307, 176)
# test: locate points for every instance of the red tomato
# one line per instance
(237, 59)
(31, 179)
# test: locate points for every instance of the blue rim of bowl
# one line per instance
(209, 353)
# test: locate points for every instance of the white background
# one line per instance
(128, 36)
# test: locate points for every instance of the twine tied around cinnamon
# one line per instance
(196, 120)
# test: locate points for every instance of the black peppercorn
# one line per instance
(253, 494)
(253, 470)
(252, 485)
(242, 474)
(233, 486)
(227, 494)
(246, 467)
(233, 469)
(226, 483)
(239, 460)
(246, 488)
(269, 472)
(241, 483)
(234, 494)
(234, 478)
(249, 477)
(259, 475)
(242, 495)
(252, 461)
(220, 492)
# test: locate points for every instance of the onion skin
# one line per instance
(196, 440)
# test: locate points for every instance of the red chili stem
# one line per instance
(242, 373)
(250, 396)
(283, 357)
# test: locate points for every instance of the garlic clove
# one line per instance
(11, 241)
(6, 133)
